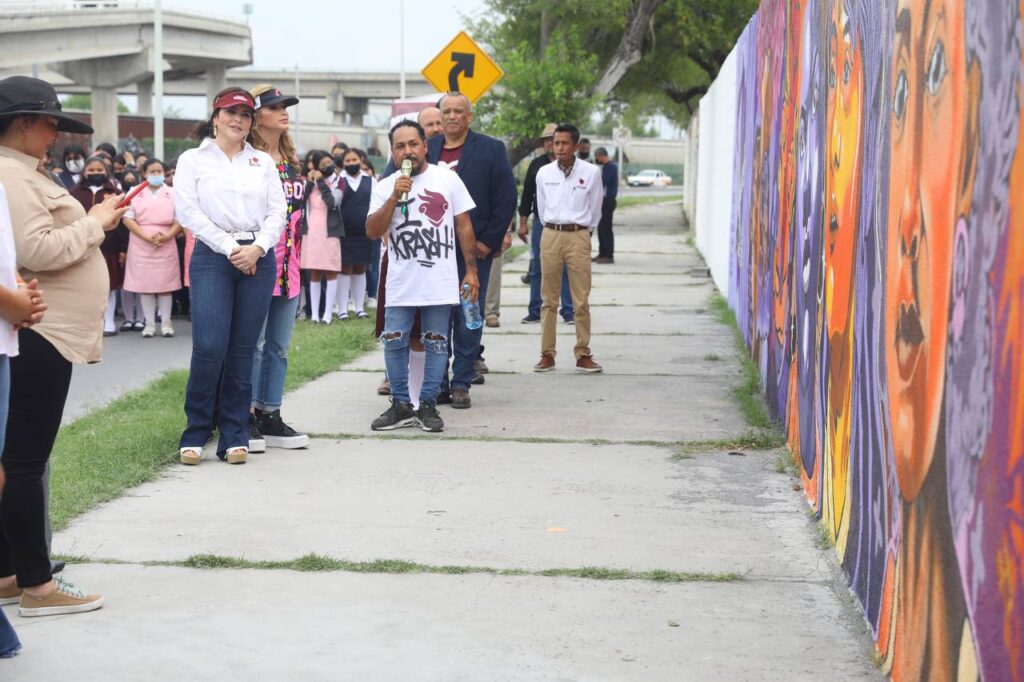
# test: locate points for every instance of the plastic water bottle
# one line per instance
(471, 310)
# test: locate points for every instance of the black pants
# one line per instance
(605, 237)
(40, 377)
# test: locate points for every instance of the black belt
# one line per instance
(565, 227)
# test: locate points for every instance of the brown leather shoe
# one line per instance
(587, 365)
(546, 364)
(460, 399)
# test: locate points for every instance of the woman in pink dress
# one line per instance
(152, 268)
(321, 232)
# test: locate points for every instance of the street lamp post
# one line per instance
(401, 48)
(158, 82)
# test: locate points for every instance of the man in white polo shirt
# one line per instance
(569, 194)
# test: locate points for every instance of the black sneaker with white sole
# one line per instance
(256, 442)
(398, 416)
(428, 417)
(277, 434)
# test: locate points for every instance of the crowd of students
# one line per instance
(239, 230)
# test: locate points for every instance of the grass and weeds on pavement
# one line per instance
(127, 442)
(634, 200)
(319, 563)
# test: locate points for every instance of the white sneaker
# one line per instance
(166, 330)
(148, 331)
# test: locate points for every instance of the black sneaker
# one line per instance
(277, 434)
(256, 442)
(398, 416)
(429, 419)
(531, 319)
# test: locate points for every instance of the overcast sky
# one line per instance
(343, 35)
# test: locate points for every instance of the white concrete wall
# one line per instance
(716, 152)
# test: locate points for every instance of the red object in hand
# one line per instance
(131, 195)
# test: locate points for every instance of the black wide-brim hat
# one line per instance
(22, 95)
(274, 97)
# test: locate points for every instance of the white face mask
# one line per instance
(75, 166)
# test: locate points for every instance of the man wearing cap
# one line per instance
(569, 194)
(528, 206)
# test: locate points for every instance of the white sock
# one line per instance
(108, 314)
(359, 291)
(148, 303)
(344, 285)
(417, 362)
(164, 302)
(314, 302)
(331, 296)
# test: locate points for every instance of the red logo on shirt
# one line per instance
(582, 181)
(253, 161)
(433, 205)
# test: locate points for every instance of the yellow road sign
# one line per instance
(462, 65)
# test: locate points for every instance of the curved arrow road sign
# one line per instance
(463, 66)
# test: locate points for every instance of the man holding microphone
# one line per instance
(424, 210)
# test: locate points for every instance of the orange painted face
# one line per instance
(927, 171)
(843, 164)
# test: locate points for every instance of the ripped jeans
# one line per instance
(270, 365)
(395, 339)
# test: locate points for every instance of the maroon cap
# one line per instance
(234, 99)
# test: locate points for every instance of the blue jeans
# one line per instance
(395, 338)
(465, 344)
(270, 366)
(373, 270)
(9, 643)
(566, 311)
(228, 311)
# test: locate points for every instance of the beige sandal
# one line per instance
(191, 456)
(237, 455)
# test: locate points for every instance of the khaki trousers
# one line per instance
(571, 249)
(492, 305)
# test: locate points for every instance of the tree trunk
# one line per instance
(630, 48)
(545, 32)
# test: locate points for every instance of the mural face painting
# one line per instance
(877, 274)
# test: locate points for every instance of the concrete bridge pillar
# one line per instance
(216, 80)
(355, 107)
(104, 115)
(145, 94)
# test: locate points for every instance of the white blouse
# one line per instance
(8, 274)
(216, 196)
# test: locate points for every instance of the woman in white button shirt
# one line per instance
(229, 195)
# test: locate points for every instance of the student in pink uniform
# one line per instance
(152, 267)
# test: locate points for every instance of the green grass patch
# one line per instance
(124, 444)
(633, 200)
(748, 393)
(754, 439)
(713, 357)
(317, 563)
(514, 251)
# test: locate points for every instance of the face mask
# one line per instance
(328, 171)
(96, 180)
(353, 169)
(75, 166)
(339, 161)
(155, 180)
(584, 155)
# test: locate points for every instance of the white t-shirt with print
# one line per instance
(422, 270)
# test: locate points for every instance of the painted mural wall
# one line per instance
(877, 273)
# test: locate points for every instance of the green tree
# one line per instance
(634, 58)
(85, 102)
(535, 92)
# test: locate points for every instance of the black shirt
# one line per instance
(528, 199)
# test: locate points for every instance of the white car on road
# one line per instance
(649, 178)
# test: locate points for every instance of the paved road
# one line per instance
(554, 471)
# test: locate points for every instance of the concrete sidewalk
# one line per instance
(545, 475)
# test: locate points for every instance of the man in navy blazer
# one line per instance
(482, 163)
